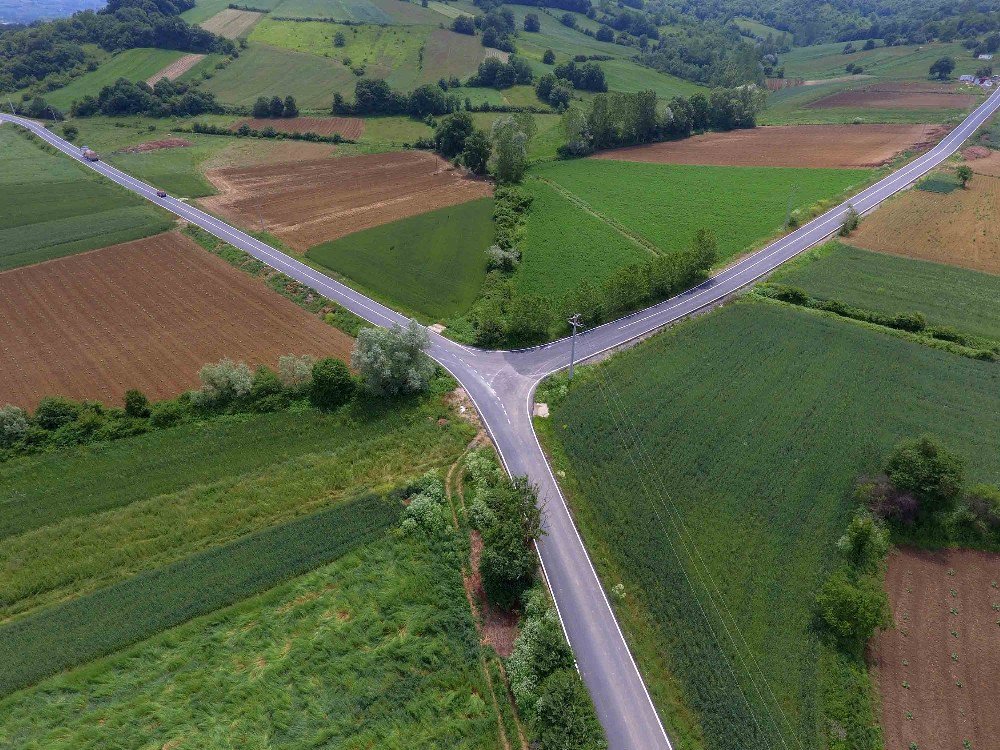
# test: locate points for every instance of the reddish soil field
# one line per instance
(176, 69)
(156, 146)
(988, 165)
(348, 127)
(145, 314)
(309, 202)
(937, 670)
(840, 146)
(897, 96)
(957, 228)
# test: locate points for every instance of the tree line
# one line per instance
(618, 119)
(50, 54)
(165, 98)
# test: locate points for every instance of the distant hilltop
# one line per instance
(18, 11)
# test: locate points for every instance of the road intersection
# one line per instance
(502, 385)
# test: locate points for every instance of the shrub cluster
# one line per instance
(373, 96)
(165, 99)
(495, 73)
(547, 688)
(509, 210)
(910, 322)
(426, 505)
(227, 387)
(275, 107)
(245, 131)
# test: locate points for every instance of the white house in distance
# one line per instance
(985, 56)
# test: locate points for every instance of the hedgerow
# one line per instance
(116, 617)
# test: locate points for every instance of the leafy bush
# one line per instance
(853, 606)
(426, 508)
(393, 361)
(927, 469)
(502, 258)
(296, 371)
(332, 384)
(564, 716)
(865, 543)
(53, 412)
(508, 561)
(13, 425)
(539, 650)
(223, 382)
(136, 404)
(166, 414)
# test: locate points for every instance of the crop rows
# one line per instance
(116, 617)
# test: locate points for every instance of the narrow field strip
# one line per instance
(79, 631)
(176, 69)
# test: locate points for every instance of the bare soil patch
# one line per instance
(898, 96)
(156, 145)
(176, 69)
(937, 670)
(232, 23)
(309, 202)
(838, 146)
(988, 165)
(145, 314)
(245, 152)
(348, 127)
(498, 628)
(976, 152)
(957, 228)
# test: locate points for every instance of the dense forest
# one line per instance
(54, 51)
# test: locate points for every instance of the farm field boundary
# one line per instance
(114, 618)
(231, 23)
(348, 127)
(176, 69)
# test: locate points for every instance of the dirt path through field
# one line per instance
(145, 314)
(176, 69)
(937, 669)
(814, 146)
(310, 202)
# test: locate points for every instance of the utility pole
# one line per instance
(575, 322)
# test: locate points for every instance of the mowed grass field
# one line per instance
(966, 300)
(667, 203)
(54, 207)
(264, 70)
(711, 469)
(133, 64)
(432, 264)
(406, 56)
(903, 63)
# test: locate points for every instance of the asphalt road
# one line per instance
(502, 385)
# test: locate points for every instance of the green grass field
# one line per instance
(376, 649)
(432, 264)
(133, 64)
(739, 435)
(55, 207)
(903, 63)
(759, 29)
(205, 9)
(262, 70)
(966, 300)
(148, 501)
(667, 204)
(359, 11)
(406, 56)
(564, 245)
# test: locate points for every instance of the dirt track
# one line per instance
(939, 664)
(897, 96)
(348, 127)
(176, 69)
(145, 314)
(232, 23)
(844, 146)
(309, 202)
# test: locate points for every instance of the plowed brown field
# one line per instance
(897, 96)
(176, 69)
(232, 23)
(348, 127)
(145, 314)
(843, 146)
(937, 669)
(309, 202)
(959, 227)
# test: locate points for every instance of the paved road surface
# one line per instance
(502, 385)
